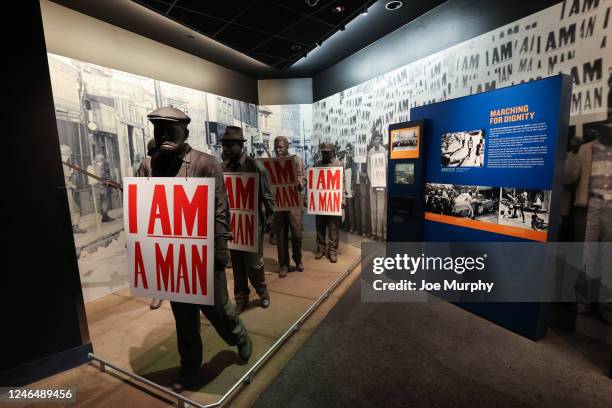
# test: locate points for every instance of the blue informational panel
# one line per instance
(493, 161)
(493, 172)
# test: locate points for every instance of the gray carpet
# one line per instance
(430, 355)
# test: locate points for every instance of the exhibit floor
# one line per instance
(125, 332)
(438, 353)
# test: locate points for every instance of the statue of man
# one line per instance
(248, 266)
(175, 158)
(284, 221)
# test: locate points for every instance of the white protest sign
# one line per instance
(283, 178)
(325, 190)
(378, 174)
(243, 194)
(169, 227)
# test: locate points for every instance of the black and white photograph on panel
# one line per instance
(463, 149)
(404, 173)
(475, 202)
(525, 208)
(406, 140)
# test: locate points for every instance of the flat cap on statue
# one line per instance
(326, 147)
(168, 114)
(232, 134)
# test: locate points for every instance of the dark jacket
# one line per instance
(193, 163)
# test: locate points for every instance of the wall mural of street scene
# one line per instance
(104, 134)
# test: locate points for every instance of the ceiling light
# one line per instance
(338, 9)
(312, 3)
(364, 12)
(393, 5)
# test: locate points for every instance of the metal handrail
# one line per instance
(181, 399)
(248, 376)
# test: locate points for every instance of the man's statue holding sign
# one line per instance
(329, 223)
(290, 220)
(248, 266)
(176, 158)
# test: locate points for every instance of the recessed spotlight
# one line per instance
(338, 9)
(393, 5)
(296, 47)
(364, 12)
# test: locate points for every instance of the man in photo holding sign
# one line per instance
(247, 254)
(325, 200)
(288, 180)
(377, 174)
(179, 225)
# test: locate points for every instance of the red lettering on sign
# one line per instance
(243, 196)
(295, 197)
(312, 202)
(284, 174)
(164, 267)
(133, 208)
(328, 180)
(287, 197)
(189, 209)
(242, 226)
(333, 179)
(181, 273)
(250, 228)
(139, 269)
(337, 202)
(321, 185)
(229, 187)
(281, 171)
(328, 201)
(159, 210)
(322, 200)
(198, 269)
(310, 173)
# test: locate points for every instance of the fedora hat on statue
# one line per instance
(232, 134)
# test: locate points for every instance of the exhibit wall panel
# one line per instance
(102, 123)
(570, 37)
(44, 329)
(449, 24)
(84, 38)
(285, 91)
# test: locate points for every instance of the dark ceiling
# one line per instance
(247, 32)
(275, 32)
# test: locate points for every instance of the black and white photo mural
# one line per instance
(103, 129)
(570, 37)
